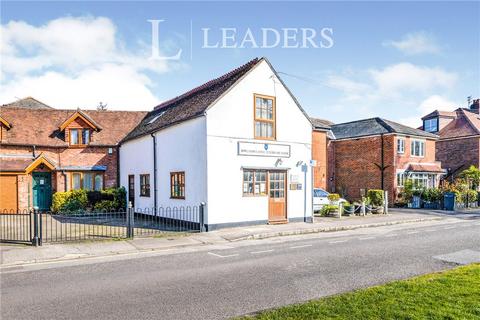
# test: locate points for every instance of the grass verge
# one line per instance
(452, 294)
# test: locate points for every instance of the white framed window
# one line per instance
(400, 145)
(430, 125)
(417, 148)
(423, 180)
(400, 179)
(264, 117)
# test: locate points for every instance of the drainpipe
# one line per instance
(34, 151)
(154, 172)
(64, 180)
(118, 165)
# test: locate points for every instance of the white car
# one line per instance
(320, 198)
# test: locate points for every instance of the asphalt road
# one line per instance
(240, 279)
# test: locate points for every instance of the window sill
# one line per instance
(77, 146)
(265, 138)
(177, 198)
(145, 196)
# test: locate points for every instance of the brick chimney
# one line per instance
(475, 106)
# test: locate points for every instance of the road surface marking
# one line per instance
(263, 251)
(430, 230)
(220, 256)
(412, 232)
(446, 228)
(338, 241)
(391, 235)
(366, 238)
(298, 247)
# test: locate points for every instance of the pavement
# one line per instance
(12, 255)
(232, 278)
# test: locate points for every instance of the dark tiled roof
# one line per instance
(41, 126)
(375, 126)
(28, 103)
(321, 123)
(191, 104)
(440, 113)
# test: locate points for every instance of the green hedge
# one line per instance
(82, 200)
(376, 197)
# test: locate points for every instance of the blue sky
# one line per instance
(397, 60)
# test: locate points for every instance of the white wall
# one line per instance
(182, 148)
(231, 120)
(179, 148)
(136, 157)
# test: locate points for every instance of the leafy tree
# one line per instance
(471, 175)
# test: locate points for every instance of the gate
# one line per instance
(16, 226)
(34, 227)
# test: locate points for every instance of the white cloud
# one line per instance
(121, 87)
(389, 92)
(415, 43)
(430, 104)
(408, 77)
(74, 62)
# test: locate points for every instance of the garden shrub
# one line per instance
(432, 195)
(333, 197)
(75, 200)
(69, 201)
(105, 205)
(376, 197)
(328, 209)
(469, 196)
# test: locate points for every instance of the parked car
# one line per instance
(320, 198)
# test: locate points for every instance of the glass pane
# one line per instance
(88, 181)
(86, 136)
(76, 181)
(73, 136)
(99, 182)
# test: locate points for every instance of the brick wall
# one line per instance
(88, 156)
(457, 153)
(357, 164)
(319, 153)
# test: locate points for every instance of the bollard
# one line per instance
(385, 202)
(202, 217)
(363, 208)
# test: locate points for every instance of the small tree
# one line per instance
(102, 107)
(472, 176)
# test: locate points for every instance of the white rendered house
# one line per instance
(241, 143)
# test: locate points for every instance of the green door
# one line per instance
(42, 190)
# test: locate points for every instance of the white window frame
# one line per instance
(427, 125)
(401, 177)
(401, 145)
(421, 148)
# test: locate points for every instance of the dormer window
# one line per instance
(430, 125)
(78, 129)
(79, 137)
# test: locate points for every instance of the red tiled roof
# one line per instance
(425, 167)
(466, 124)
(14, 164)
(40, 126)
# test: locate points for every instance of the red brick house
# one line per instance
(44, 150)
(322, 154)
(459, 144)
(381, 154)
